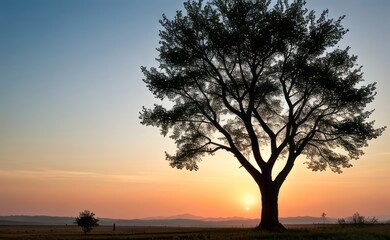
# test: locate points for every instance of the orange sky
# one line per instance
(211, 192)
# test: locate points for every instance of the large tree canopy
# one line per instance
(264, 83)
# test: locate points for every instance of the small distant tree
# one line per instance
(358, 220)
(86, 220)
(372, 220)
(341, 221)
(323, 216)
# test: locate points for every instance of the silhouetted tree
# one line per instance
(263, 83)
(86, 220)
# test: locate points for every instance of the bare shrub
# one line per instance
(357, 220)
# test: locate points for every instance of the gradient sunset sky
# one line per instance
(70, 139)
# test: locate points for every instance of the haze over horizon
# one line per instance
(188, 216)
(70, 139)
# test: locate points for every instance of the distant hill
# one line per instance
(194, 217)
(35, 220)
(6, 222)
(169, 221)
(185, 220)
(181, 216)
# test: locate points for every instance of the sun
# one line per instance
(248, 201)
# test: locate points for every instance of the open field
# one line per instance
(302, 232)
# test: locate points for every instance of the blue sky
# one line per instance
(71, 87)
(70, 70)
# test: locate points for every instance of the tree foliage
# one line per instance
(87, 221)
(262, 82)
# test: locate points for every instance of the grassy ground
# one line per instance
(304, 232)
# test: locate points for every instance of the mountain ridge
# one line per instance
(183, 220)
(195, 217)
(177, 220)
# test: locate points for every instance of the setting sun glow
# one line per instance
(250, 202)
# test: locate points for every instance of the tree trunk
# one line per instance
(269, 208)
